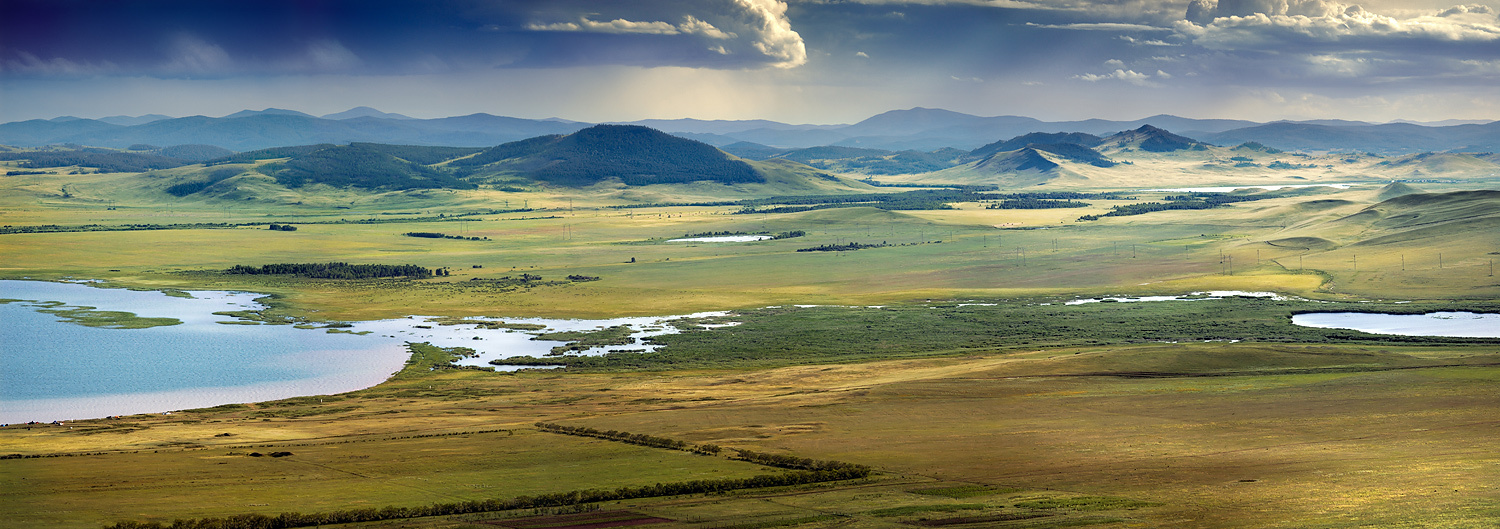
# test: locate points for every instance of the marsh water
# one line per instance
(1450, 324)
(725, 238)
(52, 369)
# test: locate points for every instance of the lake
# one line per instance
(55, 370)
(1449, 324)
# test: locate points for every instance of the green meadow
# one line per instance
(944, 359)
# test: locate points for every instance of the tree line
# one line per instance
(842, 247)
(436, 235)
(1036, 203)
(631, 438)
(559, 499)
(334, 270)
(1198, 201)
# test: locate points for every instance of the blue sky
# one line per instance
(820, 61)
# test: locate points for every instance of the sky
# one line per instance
(795, 61)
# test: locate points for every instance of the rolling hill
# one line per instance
(632, 154)
(1150, 139)
(619, 156)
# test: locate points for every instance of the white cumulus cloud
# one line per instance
(774, 36)
(1120, 74)
(1254, 24)
(743, 25)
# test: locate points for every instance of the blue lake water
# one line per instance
(52, 370)
(1450, 324)
(55, 370)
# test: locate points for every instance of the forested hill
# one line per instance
(633, 154)
(360, 165)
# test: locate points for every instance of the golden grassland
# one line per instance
(1401, 447)
(1225, 435)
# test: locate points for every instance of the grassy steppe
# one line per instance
(966, 252)
(1412, 446)
(1309, 431)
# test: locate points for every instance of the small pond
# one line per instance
(1448, 324)
(725, 238)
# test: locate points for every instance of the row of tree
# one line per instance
(288, 520)
(1198, 201)
(796, 463)
(334, 270)
(1036, 203)
(842, 247)
(436, 235)
(630, 438)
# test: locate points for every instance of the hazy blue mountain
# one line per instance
(918, 129)
(913, 121)
(37, 132)
(1390, 138)
(717, 140)
(268, 111)
(718, 126)
(263, 129)
(364, 112)
(134, 120)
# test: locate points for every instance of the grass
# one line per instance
(787, 335)
(91, 317)
(965, 491)
(923, 509)
(984, 254)
(1039, 413)
(1180, 444)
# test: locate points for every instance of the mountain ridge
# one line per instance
(919, 128)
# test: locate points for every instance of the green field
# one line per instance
(944, 359)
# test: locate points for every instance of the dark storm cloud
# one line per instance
(827, 59)
(238, 37)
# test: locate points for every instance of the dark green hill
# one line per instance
(751, 150)
(1075, 153)
(421, 154)
(106, 160)
(359, 165)
(1030, 157)
(1036, 138)
(632, 154)
(1150, 139)
(270, 154)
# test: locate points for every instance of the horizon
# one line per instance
(800, 62)
(1445, 122)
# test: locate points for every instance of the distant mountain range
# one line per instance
(625, 155)
(918, 129)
